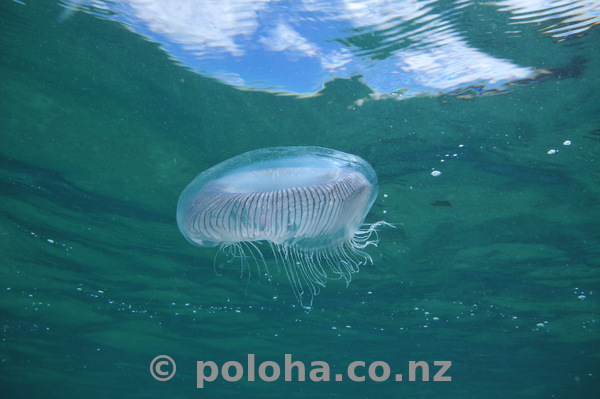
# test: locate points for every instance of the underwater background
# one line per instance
(494, 264)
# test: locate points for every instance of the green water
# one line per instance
(493, 265)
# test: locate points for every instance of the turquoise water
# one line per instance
(493, 264)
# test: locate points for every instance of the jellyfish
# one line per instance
(307, 203)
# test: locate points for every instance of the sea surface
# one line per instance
(492, 187)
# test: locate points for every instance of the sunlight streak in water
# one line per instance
(398, 48)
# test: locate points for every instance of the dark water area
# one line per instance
(494, 264)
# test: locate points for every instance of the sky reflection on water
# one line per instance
(401, 48)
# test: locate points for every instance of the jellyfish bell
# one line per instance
(308, 203)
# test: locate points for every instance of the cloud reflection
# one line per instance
(401, 48)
